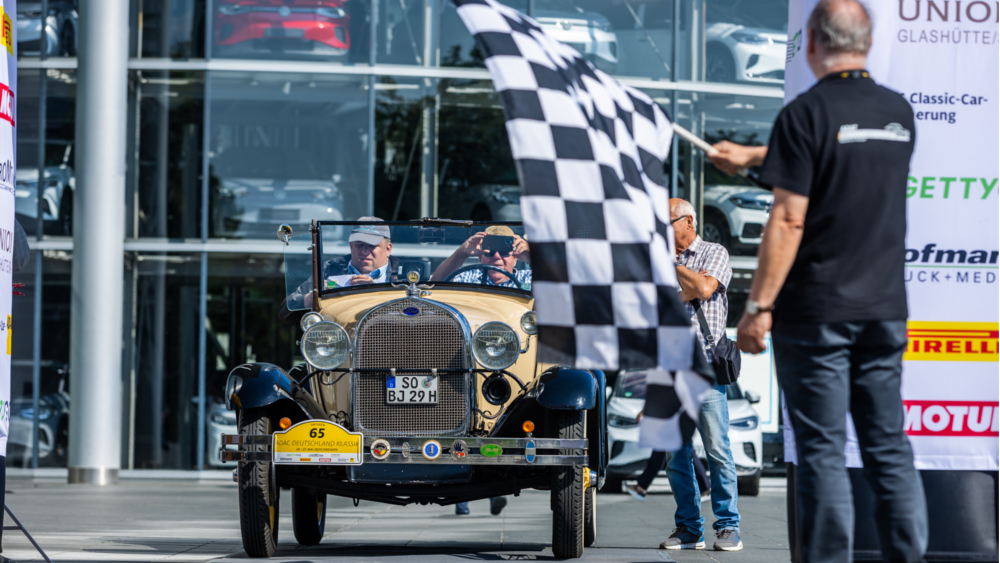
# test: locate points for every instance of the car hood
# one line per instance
(720, 193)
(720, 30)
(740, 408)
(628, 408)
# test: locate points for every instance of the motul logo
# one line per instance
(6, 104)
(952, 418)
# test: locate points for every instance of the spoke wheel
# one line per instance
(308, 516)
(567, 492)
(258, 491)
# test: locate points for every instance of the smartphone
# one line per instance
(497, 243)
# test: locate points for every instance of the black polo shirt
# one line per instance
(846, 145)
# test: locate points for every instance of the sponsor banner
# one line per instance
(943, 58)
(952, 342)
(8, 89)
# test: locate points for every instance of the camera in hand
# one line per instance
(497, 243)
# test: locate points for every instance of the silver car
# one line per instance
(628, 460)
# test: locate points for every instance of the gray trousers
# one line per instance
(825, 371)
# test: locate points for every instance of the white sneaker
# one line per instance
(637, 492)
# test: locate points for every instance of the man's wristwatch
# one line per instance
(754, 308)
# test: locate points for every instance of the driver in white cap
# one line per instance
(370, 262)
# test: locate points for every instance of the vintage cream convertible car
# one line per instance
(413, 391)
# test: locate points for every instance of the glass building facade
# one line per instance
(246, 114)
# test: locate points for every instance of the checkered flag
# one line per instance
(589, 154)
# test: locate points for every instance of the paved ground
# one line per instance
(189, 521)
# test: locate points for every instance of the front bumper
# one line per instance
(407, 449)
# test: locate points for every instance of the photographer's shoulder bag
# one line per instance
(725, 355)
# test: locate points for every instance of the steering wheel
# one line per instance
(484, 267)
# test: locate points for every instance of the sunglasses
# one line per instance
(502, 252)
(679, 218)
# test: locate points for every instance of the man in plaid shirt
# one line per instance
(703, 273)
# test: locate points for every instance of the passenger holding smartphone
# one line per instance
(497, 246)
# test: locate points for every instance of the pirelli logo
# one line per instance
(7, 32)
(952, 342)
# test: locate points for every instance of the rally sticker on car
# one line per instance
(318, 442)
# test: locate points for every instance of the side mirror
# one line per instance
(285, 233)
(752, 397)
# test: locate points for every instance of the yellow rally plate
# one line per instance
(317, 442)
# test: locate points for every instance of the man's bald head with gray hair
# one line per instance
(682, 207)
(840, 35)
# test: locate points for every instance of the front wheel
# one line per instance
(308, 516)
(258, 491)
(749, 485)
(567, 492)
(590, 516)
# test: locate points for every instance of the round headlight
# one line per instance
(325, 345)
(309, 319)
(496, 345)
(528, 323)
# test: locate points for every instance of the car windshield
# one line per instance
(631, 385)
(359, 255)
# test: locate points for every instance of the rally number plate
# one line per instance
(411, 390)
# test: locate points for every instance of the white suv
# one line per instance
(735, 216)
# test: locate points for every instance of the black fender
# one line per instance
(563, 388)
(260, 385)
(597, 431)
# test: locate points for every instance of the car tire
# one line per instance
(65, 223)
(716, 229)
(567, 491)
(67, 41)
(612, 485)
(308, 515)
(749, 485)
(259, 494)
(590, 516)
(719, 64)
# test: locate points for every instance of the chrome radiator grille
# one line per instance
(390, 338)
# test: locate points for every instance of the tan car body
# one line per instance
(478, 307)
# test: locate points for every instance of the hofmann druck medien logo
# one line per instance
(952, 341)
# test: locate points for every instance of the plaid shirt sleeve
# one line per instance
(717, 265)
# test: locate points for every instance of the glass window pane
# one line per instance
(167, 166)
(733, 41)
(170, 28)
(474, 175)
(53, 435)
(244, 293)
(165, 352)
(26, 192)
(327, 30)
(286, 149)
(60, 132)
(61, 25)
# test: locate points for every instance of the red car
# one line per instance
(309, 26)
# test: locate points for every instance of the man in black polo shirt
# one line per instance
(831, 269)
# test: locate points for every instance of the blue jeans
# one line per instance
(713, 423)
(826, 370)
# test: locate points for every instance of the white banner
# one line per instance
(8, 73)
(942, 57)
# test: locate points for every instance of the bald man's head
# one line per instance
(841, 27)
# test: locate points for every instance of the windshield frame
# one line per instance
(426, 222)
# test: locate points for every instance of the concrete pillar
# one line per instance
(98, 243)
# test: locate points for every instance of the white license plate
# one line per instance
(411, 390)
